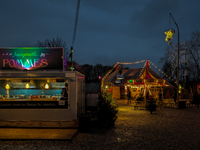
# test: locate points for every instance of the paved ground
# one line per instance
(39, 134)
(167, 128)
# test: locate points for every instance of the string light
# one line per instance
(124, 63)
(127, 63)
(162, 72)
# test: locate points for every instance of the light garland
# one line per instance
(128, 63)
(143, 68)
(162, 72)
(124, 63)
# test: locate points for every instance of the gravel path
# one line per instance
(167, 128)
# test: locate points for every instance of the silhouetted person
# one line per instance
(129, 96)
(160, 96)
(175, 95)
(147, 95)
(64, 92)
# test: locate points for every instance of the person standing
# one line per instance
(129, 96)
(147, 95)
(175, 95)
(160, 95)
(64, 92)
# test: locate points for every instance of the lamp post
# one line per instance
(72, 68)
(170, 36)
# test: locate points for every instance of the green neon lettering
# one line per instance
(25, 54)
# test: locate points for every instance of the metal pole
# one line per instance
(177, 64)
(72, 59)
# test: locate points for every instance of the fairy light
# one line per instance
(128, 63)
(162, 72)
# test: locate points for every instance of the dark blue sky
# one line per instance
(108, 31)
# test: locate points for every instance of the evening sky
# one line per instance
(108, 31)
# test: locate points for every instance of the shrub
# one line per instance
(140, 98)
(196, 99)
(107, 113)
(151, 105)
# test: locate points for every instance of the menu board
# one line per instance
(31, 58)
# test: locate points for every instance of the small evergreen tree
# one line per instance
(140, 98)
(196, 99)
(151, 105)
(107, 113)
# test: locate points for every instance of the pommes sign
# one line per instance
(31, 58)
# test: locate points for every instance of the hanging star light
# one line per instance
(169, 35)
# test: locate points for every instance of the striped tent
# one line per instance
(137, 80)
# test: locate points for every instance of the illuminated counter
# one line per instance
(24, 108)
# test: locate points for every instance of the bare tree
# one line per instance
(189, 59)
(169, 63)
(55, 42)
(93, 72)
(88, 69)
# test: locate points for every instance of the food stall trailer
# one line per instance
(31, 92)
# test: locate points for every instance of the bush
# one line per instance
(140, 98)
(196, 99)
(107, 113)
(151, 105)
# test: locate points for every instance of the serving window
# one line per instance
(33, 93)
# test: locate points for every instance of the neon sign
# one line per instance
(30, 58)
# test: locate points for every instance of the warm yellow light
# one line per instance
(169, 35)
(27, 85)
(106, 86)
(46, 86)
(180, 88)
(7, 86)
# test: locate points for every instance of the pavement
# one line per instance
(39, 134)
(165, 129)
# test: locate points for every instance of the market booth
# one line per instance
(31, 80)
